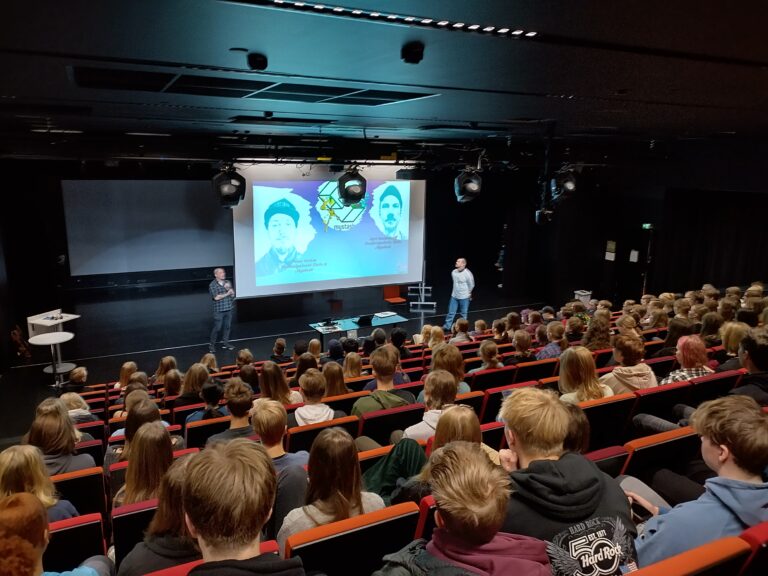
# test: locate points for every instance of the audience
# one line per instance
(692, 356)
(753, 353)
(439, 391)
(192, 385)
(238, 398)
(315, 348)
(500, 335)
(275, 387)
(384, 363)
(449, 358)
(151, 456)
(334, 379)
(209, 361)
(22, 470)
(460, 332)
(631, 374)
(557, 342)
(304, 363)
(489, 352)
(436, 338)
(397, 338)
(578, 377)
(353, 365)
(678, 328)
(228, 528)
(250, 376)
(172, 384)
(76, 379)
(77, 408)
(278, 352)
(335, 353)
(523, 351)
(211, 394)
(126, 370)
(270, 423)
(166, 364)
(54, 434)
(481, 327)
(244, 356)
(423, 337)
(143, 412)
(335, 490)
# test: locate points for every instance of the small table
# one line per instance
(347, 324)
(54, 339)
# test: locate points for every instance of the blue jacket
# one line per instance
(725, 509)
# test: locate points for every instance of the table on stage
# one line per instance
(53, 339)
(352, 324)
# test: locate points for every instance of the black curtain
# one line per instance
(711, 236)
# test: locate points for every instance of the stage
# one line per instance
(146, 323)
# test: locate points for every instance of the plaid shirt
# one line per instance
(225, 304)
(683, 374)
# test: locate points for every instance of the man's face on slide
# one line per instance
(282, 233)
(389, 211)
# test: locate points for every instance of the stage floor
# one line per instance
(146, 324)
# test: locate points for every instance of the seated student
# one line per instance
(209, 361)
(423, 337)
(274, 386)
(631, 374)
(471, 495)
(238, 397)
(166, 542)
(460, 332)
(227, 523)
(171, 385)
(250, 376)
(439, 391)
(734, 443)
(678, 328)
(753, 353)
(436, 338)
(732, 333)
(397, 338)
(353, 366)
(151, 456)
(211, 394)
(692, 356)
(133, 399)
(166, 364)
(54, 434)
(127, 391)
(489, 352)
(24, 538)
(335, 490)
(558, 496)
(481, 326)
(335, 353)
(77, 408)
(304, 363)
(126, 370)
(315, 348)
(384, 361)
(574, 329)
(193, 381)
(500, 335)
(22, 470)
(270, 423)
(278, 352)
(334, 379)
(523, 351)
(448, 357)
(598, 334)
(312, 384)
(77, 378)
(244, 356)
(578, 377)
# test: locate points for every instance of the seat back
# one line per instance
(84, 489)
(608, 418)
(197, 433)
(493, 378)
(602, 356)
(95, 429)
(661, 366)
(473, 399)
(714, 385)
(661, 400)
(327, 548)
(302, 437)
(536, 370)
(368, 458)
(72, 541)
(379, 424)
(757, 538)
(426, 524)
(493, 435)
(610, 460)
(180, 414)
(663, 450)
(723, 557)
(344, 402)
(494, 397)
(93, 447)
(652, 347)
(128, 526)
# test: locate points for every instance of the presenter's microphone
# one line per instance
(227, 285)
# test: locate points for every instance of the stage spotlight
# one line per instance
(543, 216)
(467, 185)
(229, 186)
(562, 186)
(351, 187)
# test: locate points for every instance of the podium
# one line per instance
(46, 329)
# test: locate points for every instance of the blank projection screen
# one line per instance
(293, 234)
(120, 226)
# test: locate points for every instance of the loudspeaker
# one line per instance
(257, 61)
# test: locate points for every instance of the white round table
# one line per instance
(54, 339)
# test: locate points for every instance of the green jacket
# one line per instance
(378, 400)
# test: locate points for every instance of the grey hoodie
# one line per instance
(725, 509)
(630, 378)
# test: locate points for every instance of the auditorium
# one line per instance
(383, 287)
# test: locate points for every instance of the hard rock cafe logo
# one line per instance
(597, 547)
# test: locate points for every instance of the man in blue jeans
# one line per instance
(463, 284)
(223, 297)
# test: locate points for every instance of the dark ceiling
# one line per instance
(78, 77)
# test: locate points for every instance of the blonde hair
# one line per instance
(22, 470)
(537, 418)
(436, 337)
(732, 333)
(273, 383)
(470, 492)
(426, 332)
(441, 388)
(448, 357)
(221, 519)
(196, 376)
(578, 374)
(489, 351)
(522, 340)
(315, 348)
(353, 365)
(269, 419)
(629, 324)
(78, 375)
(334, 379)
(126, 370)
(74, 401)
(166, 364)
(556, 333)
(244, 356)
(209, 361)
(312, 384)
(457, 422)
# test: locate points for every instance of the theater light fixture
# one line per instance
(562, 186)
(229, 186)
(351, 186)
(467, 185)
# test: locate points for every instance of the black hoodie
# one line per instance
(158, 553)
(270, 564)
(581, 510)
(754, 385)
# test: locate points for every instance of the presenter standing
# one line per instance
(463, 284)
(223, 297)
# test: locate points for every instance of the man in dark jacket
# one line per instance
(753, 353)
(227, 523)
(562, 497)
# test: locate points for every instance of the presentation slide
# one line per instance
(298, 236)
